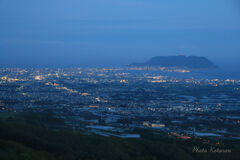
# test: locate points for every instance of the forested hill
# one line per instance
(28, 136)
(191, 62)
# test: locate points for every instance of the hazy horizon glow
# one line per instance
(117, 32)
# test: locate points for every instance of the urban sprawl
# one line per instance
(117, 101)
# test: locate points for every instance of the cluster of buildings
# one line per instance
(116, 101)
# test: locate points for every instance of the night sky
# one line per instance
(117, 32)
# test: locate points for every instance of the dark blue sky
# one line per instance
(113, 32)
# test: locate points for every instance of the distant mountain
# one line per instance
(191, 62)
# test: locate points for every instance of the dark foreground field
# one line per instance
(35, 136)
